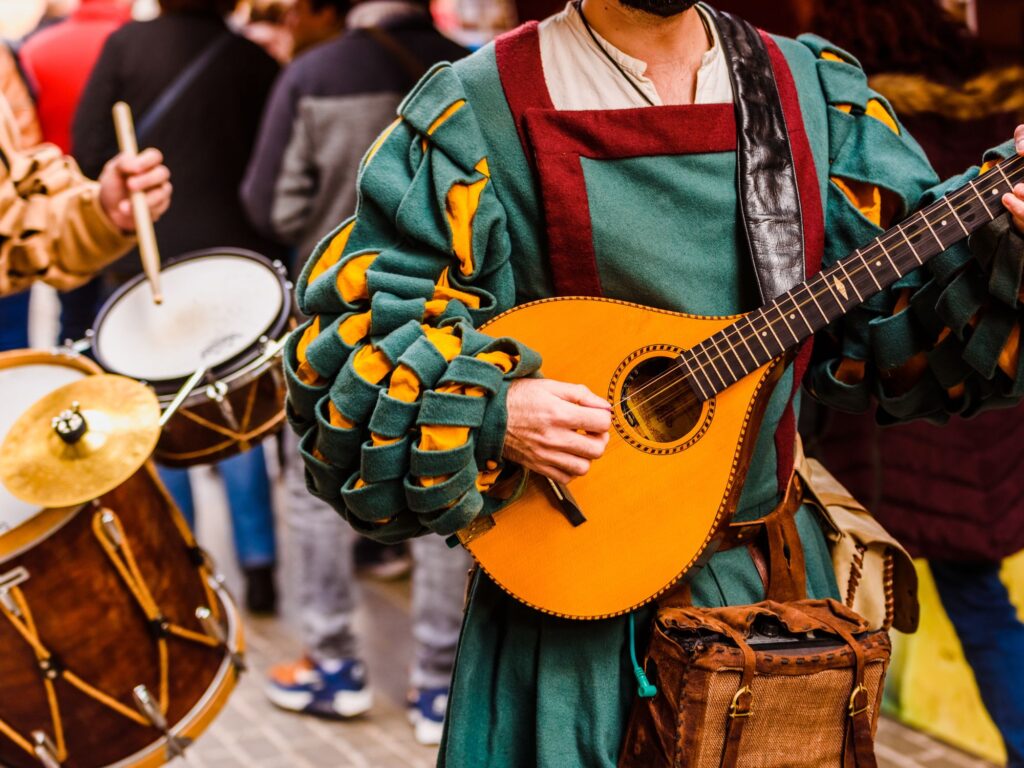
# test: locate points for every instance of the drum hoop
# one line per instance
(243, 358)
(204, 711)
(238, 377)
(59, 356)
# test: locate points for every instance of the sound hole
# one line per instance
(658, 403)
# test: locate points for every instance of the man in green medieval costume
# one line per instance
(654, 151)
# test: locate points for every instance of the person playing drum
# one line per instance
(60, 227)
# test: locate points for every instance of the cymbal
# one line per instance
(80, 441)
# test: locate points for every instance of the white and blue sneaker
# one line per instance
(329, 690)
(426, 713)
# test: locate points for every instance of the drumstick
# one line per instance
(143, 222)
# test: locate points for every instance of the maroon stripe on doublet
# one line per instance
(814, 237)
(555, 140)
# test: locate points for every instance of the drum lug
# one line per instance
(148, 708)
(45, 749)
(213, 628)
(110, 529)
(9, 581)
(217, 392)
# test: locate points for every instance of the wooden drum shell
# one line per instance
(199, 433)
(86, 616)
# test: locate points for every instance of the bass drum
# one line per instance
(118, 645)
(225, 309)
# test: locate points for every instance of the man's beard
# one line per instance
(663, 8)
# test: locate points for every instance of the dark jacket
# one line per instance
(326, 109)
(206, 137)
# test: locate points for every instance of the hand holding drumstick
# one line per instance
(135, 190)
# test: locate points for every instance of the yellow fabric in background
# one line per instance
(930, 686)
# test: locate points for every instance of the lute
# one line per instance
(688, 394)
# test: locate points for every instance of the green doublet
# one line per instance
(529, 689)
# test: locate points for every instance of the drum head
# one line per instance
(22, 385)
(215, 308)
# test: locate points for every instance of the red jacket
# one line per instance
(58, 61)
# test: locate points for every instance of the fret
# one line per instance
(707, 353)
(722, 357)
(842, 268)
(744, 364)
(797, 306)
(750, 323)
(867, 267)
(776, 306)
(878, 264)
(824, 278)
(694, 379)
(924, 217)
(743, 338)
(768, 325)
(984, 205)
(913, 250)
(953, 211)
(824, 317)
(999, 167)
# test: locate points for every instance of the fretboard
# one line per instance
(782, 324)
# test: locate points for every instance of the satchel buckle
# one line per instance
(854, 709)
(735, 709)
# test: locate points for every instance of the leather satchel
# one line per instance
(771, 685)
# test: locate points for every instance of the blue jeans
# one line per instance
(992, 637)
(14, 321)
(248, 490)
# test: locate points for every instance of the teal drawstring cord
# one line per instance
(644, 688)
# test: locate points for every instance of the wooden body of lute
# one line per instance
(664, 487)
(688, 394)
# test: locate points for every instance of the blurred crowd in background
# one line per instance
(263, 110)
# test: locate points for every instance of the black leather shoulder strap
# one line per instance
(768, 195)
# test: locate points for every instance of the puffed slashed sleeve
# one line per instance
(52, 225)
(399, 401)
(944, 339)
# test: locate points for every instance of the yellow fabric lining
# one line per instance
(305, 372)
(866, 198)
(337, 420)
(437, 437)
(352, 278)
(483, 168)
(380, 141)
(986, 167)
(371, 364)
(1009, 356)
(355, 328)
(460, 208)
(333, 252)
(405, 386)
(444, 290)
(452, 109)
(877, 110)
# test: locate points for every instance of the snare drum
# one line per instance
(225, 309)
(104, 607)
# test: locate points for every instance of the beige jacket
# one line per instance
(18, 98)
(52, 226)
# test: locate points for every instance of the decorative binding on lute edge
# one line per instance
(783, 323)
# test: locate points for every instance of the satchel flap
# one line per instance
(797, 617)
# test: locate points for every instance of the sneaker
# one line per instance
(304, 686)
(383, 562)
(426, 713)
